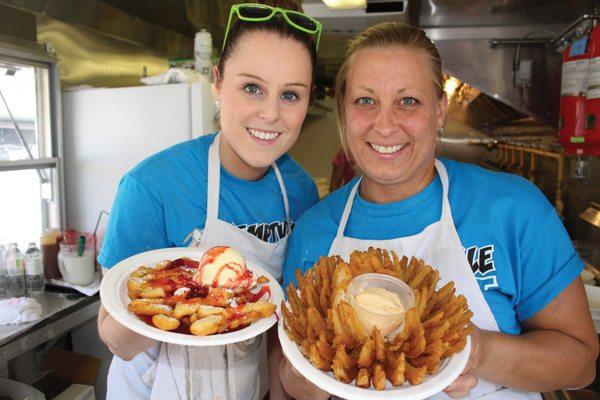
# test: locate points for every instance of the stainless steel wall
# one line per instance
(17, 24)
(462, 32)
(89, 58)
(491, 71)
(97, 44)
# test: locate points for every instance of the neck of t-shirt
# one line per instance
(383, 193)
(236, 166)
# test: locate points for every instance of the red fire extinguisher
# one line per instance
(592, 125)
(573, 90)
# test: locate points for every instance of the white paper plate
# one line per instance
(450, 369)
(113, 292)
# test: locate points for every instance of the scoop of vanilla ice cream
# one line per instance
(221, 266)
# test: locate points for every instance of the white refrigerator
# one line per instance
(106, 132)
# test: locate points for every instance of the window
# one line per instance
(30, 184)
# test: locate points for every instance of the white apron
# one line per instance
(439, 246)
(223, 372)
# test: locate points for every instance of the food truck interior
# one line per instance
(64, 144)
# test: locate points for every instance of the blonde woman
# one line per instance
(494, 234)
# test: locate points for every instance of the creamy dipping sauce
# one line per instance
(379, 307)
(380, 301)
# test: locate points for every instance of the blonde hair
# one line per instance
(387, 34)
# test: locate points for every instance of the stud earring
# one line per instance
(440, 131)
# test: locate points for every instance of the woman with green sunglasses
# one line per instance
(236, 188)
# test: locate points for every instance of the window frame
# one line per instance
(41, 56)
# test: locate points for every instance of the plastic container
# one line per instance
(203, 54)
(203, 44)
(388, 319)
(77, 267)
(15, 266)
(49, 245)
(34, 270)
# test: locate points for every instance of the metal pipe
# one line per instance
(510, 42)
(521, 166)
(558, 202)
(560, 157)
(584, 17)
(556, 40)
(513, 159)
(532, 168)
(543, 153)
(497, 162)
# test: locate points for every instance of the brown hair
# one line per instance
(276, 25)
(387, 34)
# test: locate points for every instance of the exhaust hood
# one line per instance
(357, 19)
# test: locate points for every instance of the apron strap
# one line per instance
(347, 209)
(443, 173)
(445, 214)
(214, 180)
(286, 205)
(229, 350)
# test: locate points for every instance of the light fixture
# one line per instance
(345, 4)
(450, 86)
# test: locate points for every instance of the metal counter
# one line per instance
(60, 313)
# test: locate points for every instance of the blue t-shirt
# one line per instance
(162, 201)
(513, 239)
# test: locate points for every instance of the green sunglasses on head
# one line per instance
(254, 12)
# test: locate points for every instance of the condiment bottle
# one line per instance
(49, 245)
(16, 271)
